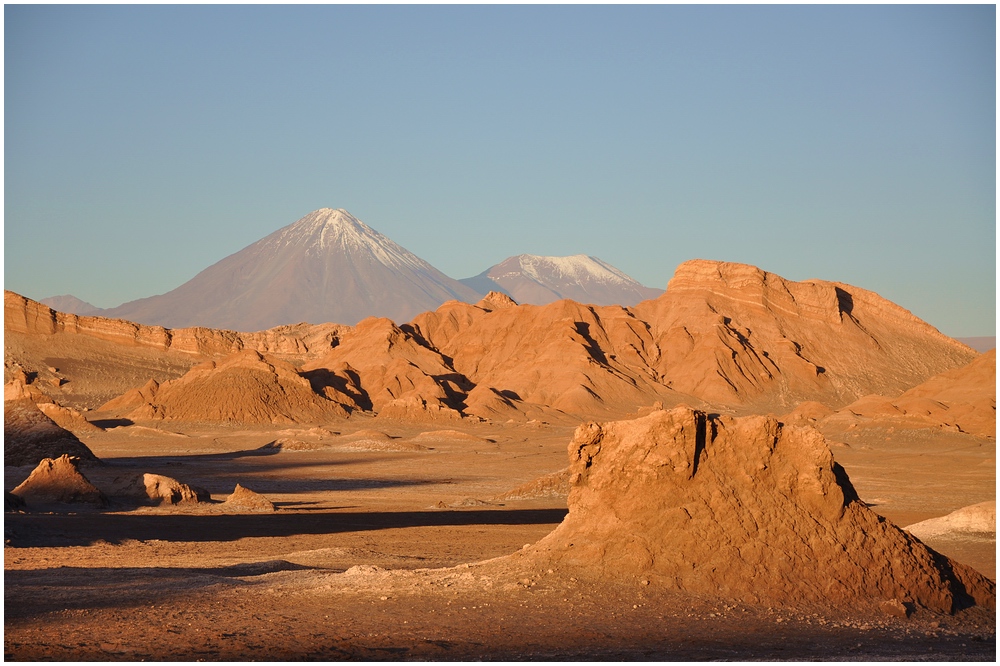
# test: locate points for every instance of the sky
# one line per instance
(849, 143)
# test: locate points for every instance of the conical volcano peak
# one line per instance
(336, 231)
(535, 279)
(329, 222)
(327, 266)
(577, 267)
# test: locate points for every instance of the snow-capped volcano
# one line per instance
(326, 230)
(326, 267)
(529, 278)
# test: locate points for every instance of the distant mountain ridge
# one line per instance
(330, 266)
(538, 280)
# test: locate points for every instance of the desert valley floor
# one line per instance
(360, 560)
(392, 528)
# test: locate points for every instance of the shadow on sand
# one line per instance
(84, 529)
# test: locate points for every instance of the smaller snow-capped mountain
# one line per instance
(328, 266)
(528, 278)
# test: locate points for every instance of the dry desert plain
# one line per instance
(722, 472)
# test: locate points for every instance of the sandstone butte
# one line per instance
(742, 508)
(726, 335)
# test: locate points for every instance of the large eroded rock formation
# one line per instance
(739, 508)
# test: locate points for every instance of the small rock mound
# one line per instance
(496, 300)
(30, 436)
(59, 481)
(292, 444)
(363, 440)
(554, 485)
(377, 435)
(447, 435)
(743, 508)
(975, 519)
(244, 500)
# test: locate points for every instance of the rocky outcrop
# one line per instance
(59, 481)
(156, 489)
(246, 387)
(244, 500)
(496, 300)
(395, 374)
(965, 397)
(30, 436)
(740, 508)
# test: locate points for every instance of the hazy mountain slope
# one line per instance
(528, 278)
(70, 304)
(981, 343)
(326, 267)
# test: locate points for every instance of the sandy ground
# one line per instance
(367, 558)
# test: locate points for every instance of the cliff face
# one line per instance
(741, 508)
(23, 315)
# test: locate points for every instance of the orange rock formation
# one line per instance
(59, 481)
(30, 436)
(722, 334)
(247, 387)
(741, 508)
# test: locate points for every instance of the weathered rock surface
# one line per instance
(739, 508)
(735, 334)
(30, 436)
(386, 369)
(965, 397)
(23, 315)
(59, 481)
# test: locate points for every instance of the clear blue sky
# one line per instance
(849, 143)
